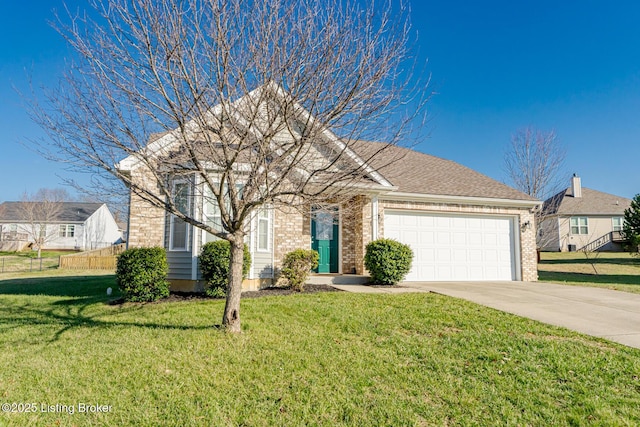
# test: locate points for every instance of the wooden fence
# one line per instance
(98, 259)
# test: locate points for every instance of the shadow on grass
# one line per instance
(83, 293)
(593, 260)
(614, 279)
(68, 286)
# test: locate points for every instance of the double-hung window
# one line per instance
(264, 223)
(212, 216)
(211, 211)
(67, 230)
(618, 223)
(579, 225)
(179, 230)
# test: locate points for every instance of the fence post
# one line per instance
(30, 265)
(40, 263)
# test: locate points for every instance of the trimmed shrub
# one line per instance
(141, 274)
(214, 265)
(297, 265)
(388, 261)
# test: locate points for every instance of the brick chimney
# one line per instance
(576, 186)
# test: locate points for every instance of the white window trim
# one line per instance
(172, 217)
(269, 221)
(613, 224)
(206, 217)
(66, 233)
(579, 226)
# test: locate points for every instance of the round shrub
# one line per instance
(388, 261)
(214, 265)
(141, 274)
(297, 265)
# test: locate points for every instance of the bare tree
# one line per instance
(39, 213)
(534, 164)
(241, 100)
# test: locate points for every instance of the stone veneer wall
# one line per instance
(528, 264)
(146, 222)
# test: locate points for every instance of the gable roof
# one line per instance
(251, 103)
(71, 212)
(592, 202)
(419, 173)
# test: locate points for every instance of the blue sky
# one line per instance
(497, 66)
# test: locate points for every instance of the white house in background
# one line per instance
(579, 218)
(76, 226)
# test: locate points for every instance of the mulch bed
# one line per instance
(274, 291)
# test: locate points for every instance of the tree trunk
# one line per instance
(231, 317)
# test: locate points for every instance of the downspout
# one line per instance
(374, 217)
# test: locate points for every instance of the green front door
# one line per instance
(324, 240)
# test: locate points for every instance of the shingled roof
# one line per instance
(592, 202)
(71, 212)
(411, 171)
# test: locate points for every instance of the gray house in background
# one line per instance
(75, 226)
(580, 218)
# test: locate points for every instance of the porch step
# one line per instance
(337, 279)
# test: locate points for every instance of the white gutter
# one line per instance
(464, 200)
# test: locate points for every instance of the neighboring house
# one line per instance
(79, 226)
(460, 224)
(579, 218)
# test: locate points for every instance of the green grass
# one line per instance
(28, 261)
(612, 270)
(315, 359)
(34, 254)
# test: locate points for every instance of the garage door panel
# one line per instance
(474, 238)
(426, 254)
(474, 255)
(426, 237)
(455, 247)
(459, 238)
(425, 221)
(460, 255)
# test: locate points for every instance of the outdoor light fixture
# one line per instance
(525, 226)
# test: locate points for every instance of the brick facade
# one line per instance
(291, 230)
(146, 222)
(356, 233)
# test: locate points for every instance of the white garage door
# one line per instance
(455, 247)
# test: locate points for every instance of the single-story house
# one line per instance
(580, 218)
(461, 225)
(69, 225)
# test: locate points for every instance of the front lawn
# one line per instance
(612, 270)
(322, 359)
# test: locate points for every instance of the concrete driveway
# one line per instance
(613, 315)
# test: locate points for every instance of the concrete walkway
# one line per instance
(604, 313)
